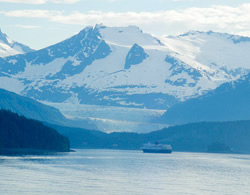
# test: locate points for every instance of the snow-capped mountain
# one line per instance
(9, 47)
(122, 66)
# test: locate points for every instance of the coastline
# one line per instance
(29, 151)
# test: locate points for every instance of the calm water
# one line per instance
(126, 172)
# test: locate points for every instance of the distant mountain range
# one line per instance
(9, 47)
(230, 101)
(196, 137)
(122, 66)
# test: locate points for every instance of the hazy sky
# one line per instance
(40, 23)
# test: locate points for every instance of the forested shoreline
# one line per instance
(19, 134)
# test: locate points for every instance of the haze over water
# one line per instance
(125, 172)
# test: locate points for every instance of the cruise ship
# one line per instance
(156, 148)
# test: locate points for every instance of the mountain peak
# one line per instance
(9, 47)
(196, 32)
(4, 38)
(234, 38)
(98, 26)
(125, 36)
(91, 30)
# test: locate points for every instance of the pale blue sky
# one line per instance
(40, 23)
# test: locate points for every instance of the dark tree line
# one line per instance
(19, 132)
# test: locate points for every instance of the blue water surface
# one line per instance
(125, 172)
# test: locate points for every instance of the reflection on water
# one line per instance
(125, 172)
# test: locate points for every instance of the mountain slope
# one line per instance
(9, 47)
(29, 108)
(199, 137)
(122, 66)
(35, 110)
(230, 101)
